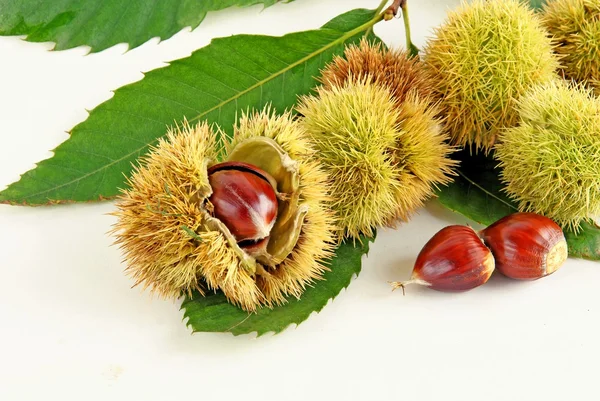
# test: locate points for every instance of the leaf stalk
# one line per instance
(391, 12)
(380, 7)
(363, 28)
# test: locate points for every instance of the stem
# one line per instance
(412, 49)
(363, 28)
(391, 12)
(380, 8)
(379, 14)
(403, 284)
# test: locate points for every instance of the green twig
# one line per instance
(380, 8)
(413, 50)
(378, 13)
(391, 12)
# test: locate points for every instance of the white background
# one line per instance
(71, 328)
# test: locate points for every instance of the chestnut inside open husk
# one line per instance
(244, 198)
(249, 216)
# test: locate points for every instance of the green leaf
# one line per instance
(101, 24)
(215, 314)
(477, 194)
(537, 4)
(585, 244)
(215, 83)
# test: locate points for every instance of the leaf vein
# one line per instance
(203, 70)
(193, 87)
(247, 58)
(88, 174)
(320, 52)
(235, 68)
(130, 114)
(164, 98)
(114, 135)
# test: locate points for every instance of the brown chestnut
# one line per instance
(244, 198)
(454, 259)
(526, 246)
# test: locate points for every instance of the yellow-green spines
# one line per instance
(551, 161)
(575, 28)
(316, 242)
(384, 162)
(154, 214)
(484, 57)
(173, 245)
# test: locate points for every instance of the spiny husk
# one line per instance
(550, 161)
(173, 246)
(575, 27)
(316, 241)
(384, 162)
(482, 59)
(404, 76)
(154, 214)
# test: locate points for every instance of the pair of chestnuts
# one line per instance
(522, 246)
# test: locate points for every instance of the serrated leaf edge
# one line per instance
(259, 333)
(160, 38)
(341, 39)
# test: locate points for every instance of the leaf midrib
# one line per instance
(485, 191)
(260, 83)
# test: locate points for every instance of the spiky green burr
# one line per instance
(384, 161)
(575, 28)
(174, 244)
(482, 59)
(551, 161)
